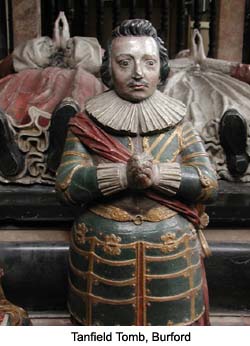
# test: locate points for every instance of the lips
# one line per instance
(138, 85)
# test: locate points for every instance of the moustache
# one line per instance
(133, 83)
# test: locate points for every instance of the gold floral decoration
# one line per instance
(111, 245)
(204, 220)
(205, 181)
(169, 242)
(80, 233)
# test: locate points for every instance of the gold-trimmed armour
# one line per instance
(133, 261)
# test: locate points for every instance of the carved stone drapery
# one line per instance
(33, 141)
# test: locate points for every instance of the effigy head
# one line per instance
(136, 61)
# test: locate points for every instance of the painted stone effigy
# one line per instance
(209, 90)
(138, 170)
(48, 72)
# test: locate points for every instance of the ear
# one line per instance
(159, 80)
(111, 81)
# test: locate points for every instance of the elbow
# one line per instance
(209, 193)
(63, 198)
(64, 195)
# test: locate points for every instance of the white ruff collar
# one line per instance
(154, 114)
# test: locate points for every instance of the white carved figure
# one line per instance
(49, 72)
(207, 88)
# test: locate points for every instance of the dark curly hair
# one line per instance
(135, 27)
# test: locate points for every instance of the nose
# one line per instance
(138, 72)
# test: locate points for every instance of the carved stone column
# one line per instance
(26, 20)
(230, 30)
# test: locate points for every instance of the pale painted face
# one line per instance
(135, 67)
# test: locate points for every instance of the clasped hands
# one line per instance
(142, 173)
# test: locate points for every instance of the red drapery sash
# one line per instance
(101, 143)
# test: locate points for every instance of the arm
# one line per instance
(193, 178)
(199, 183)
(80, 181)
(76, 175)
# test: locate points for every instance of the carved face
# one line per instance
(43, 48)
(135, 67)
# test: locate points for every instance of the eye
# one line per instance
(124, 63)
(150, 62)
